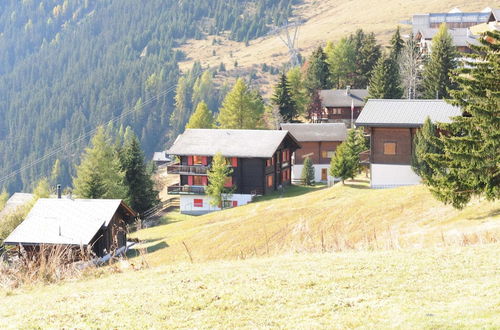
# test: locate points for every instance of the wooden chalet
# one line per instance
(260, 159)
(318, 142)
(391, 125)
(341, 105)
(96, 223)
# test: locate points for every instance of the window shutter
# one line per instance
(204, 160)
(204, 180)
(234, 162)
(229, 182)
(190, 160)
(190, 180)
(235, 203)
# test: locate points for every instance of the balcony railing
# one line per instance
(188, 169)
(364, 157)
(185, 190)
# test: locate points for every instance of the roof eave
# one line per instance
(394, 125)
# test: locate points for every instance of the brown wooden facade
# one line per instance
(111, 237)
(391, 145)
(320, 152)
(342, 113)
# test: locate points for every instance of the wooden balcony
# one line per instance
(364, 157)
(188, 169)
(185, 190)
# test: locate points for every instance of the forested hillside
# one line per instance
(67, 66)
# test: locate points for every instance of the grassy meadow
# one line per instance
(453, 287)
(320, 219)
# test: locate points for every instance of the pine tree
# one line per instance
(345, 163)
(141, 192)
(217, 177)
(471, 146)
(318, 74)
(442, 61)
(384, 83)
(397, 44)
(341, 59)
(283, 100)
(367, 52)
(307, 174)
(42, 189)
(242, 108)
(425, 142)
(201, 118)
(99, 174)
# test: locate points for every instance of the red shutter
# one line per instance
(204, 180)
(229, 182)
(198, 203)
(234, 162)
(235, 203)
(204, 160)
(190, 160)
(190, 180)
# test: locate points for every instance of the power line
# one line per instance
(84, 136)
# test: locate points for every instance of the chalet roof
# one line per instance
(317, 132)
(460, 37)
(14, 202)
(65, 221)
(160, 156)
(241, 143)
(343, 98)
(495, 15)
(405, 113)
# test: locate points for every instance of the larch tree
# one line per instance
(201, 118)
(410, 72)
(283, 100)
(242, 108)
(384, 83)
(437, 70)
(307, 174)
(217, 177)
(469, 164)
(142, 194)
(99, 174)
(297, 90)
(318, 73)
(341, 59)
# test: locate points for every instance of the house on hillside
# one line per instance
(96, 223)
(160, 158)
(318, 142)
(461, 27)
(15, 202)
(260, 160)
(391, 125)
(341, 105)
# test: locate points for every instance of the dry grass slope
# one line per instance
(430, 288)
(315, 220)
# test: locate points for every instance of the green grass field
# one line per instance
(318, 219)
(453, 287)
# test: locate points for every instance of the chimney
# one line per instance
(348, 90)
(59, 191)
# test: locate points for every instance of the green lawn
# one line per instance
(454, 287)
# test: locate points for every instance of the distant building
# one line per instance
(341, 105)
(160, 158)
(461, 26)
(391, 125)
(96, 223)
(260, 159)
(319, 142)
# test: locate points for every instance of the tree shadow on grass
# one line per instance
(132, 253)
(290, 191)
(492, 213)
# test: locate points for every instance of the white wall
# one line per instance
(187, 203)
(297, 172)
(389, 175)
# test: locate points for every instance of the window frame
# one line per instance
(390, 143)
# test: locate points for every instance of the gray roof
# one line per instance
(405, 113)
(460, 37)
(160, 156)
(496, 14)
(317, 132)
(242, 143)
(64, 221)
(340, 97)
(15, 201)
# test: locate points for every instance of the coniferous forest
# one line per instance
(68, 66)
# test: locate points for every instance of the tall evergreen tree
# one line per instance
(442, 60)
(345, 163)
(99, 174)
(242, 108)
(425, 142)
(397, 44)
(201, 118)
(384, 83)
(307, 174)
(217, 177)
(315, 107)
(341, 58)
(283, 100)
(141, 192)
(317, 74)
(297, 90)
(469, 165)
(367, 52)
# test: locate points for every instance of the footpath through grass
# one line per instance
(319, 219)
(455, 287)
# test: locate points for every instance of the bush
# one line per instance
(307, 174)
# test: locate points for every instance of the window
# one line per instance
(389, 148)
(198, 202)
(197, 160)
(324, 174)
(229, 182)
(228, 204)
(327, 154)
(269, 162)
(197, 180)
(269, 180)
(235, 203)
